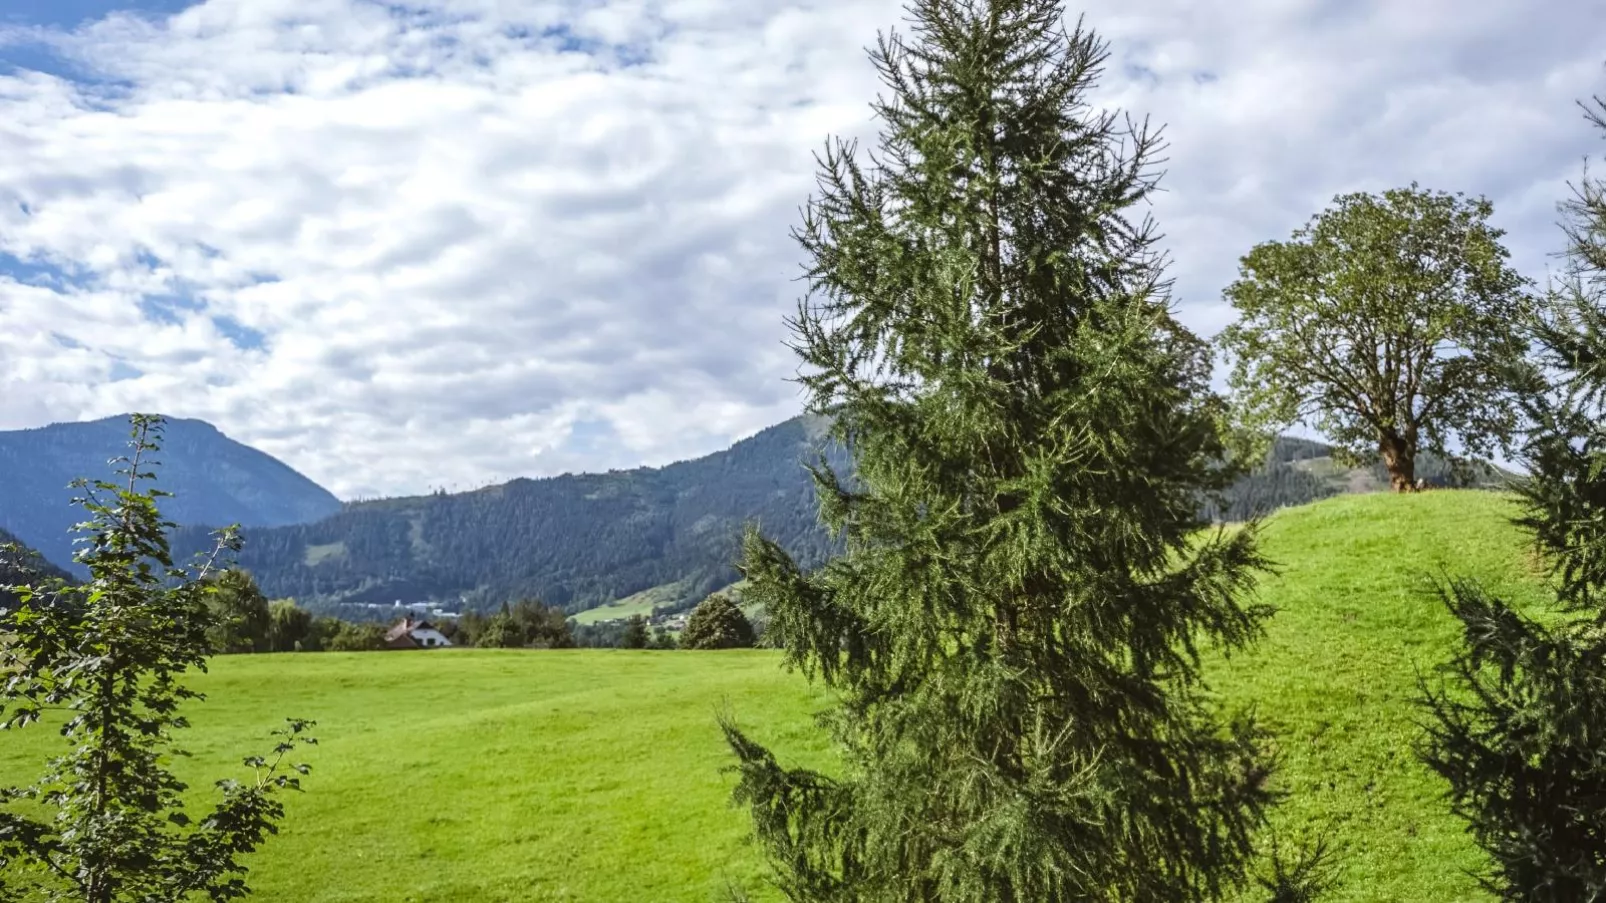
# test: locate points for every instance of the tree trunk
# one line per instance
(1399, 456)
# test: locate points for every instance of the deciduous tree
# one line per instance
(1013, 631)
(348, 637)
(717, 623)
(290, 627)
(240, 614)
(526, 624)
(104, 663)
(1390, 323)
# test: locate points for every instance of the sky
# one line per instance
(447, 243)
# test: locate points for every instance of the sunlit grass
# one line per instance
(596, 775)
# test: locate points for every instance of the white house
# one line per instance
(411, 633)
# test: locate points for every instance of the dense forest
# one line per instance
(575, 541)
(214, 480)
(21, 565)
(579, 541)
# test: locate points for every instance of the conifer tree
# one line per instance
(1013, 630)
(1515, 728)
(635, 635)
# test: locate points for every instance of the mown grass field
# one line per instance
(481, 775)
(1336, 675)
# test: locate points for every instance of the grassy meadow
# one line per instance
(595, 775)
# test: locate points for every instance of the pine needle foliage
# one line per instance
(107, 820)
(1517, 723)
(1014, 628)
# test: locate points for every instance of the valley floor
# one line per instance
(595, 775)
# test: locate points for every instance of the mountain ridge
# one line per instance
(578, 541)
(574, 540)
(581, 541)
(215, 480)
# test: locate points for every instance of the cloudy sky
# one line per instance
(450, 242)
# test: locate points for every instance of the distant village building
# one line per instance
(412, 633)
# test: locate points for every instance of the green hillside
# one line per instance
(641, 603)
(1335, 676)
(594, 775)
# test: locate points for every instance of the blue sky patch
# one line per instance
(168, 309)
(564, 39)
(122, 370)
(239, 335)
(30, 272)
(592, 438)
(72, 13)
(17, 53)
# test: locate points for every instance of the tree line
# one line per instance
(242, 620)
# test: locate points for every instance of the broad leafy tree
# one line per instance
(1515, 726)
(717, 623)
(240, 614)
(1014, 627)
(290, 627)
(20, 565)
(103, 664)
(343, 636)
(1390, 323)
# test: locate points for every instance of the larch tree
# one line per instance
(1515, 725)
(1014, 627)
(1390, 323)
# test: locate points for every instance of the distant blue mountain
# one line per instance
(215, 481)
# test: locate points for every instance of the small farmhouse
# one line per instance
(412, 633)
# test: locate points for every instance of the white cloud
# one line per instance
(506, 237)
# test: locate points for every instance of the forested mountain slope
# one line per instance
(214, 480)
(21, 566)
(575, 541)
(580, 541)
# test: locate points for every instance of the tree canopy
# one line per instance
(635, 635)
(1013, 630)
(527, 623)
(241, 618)
(1390, 323)
(717, 623)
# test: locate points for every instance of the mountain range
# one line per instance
(214, 480)
(574, 541)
